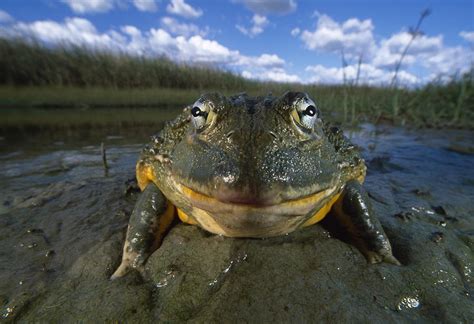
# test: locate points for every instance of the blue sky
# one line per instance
(279, 40)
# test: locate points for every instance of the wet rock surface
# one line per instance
(62, 225)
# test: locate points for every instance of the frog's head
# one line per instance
(253, 151)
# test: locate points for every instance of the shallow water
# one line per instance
(63, 219)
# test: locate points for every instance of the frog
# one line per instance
(251, 167)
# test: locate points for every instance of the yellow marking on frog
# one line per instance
(320, 214)
(286, 205)
(208, 222)
(296, 116)
(165, 221)
(144, 174)
(185, 218)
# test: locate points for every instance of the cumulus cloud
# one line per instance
(145, 5)
(466, 35)
(5, 17)
(448, 61)
(258, 25)
(77, 31)
(275, 74)
(190, 48)
(368, 74)
(391, 49)
(295, 32)
(101, 6)
(279, 75)
(90, 6)
(181, 8)
(264, 7)
(354, 37)
(264, 61)
(181, 29)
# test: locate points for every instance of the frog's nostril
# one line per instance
(229, 134)
(273, 134)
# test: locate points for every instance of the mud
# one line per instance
(63, 221)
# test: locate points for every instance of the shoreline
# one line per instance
(71, 107)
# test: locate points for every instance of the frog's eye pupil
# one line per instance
(310, 111)
(196, 112)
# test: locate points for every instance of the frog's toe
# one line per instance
(121, 271)
(389, 258)
(381, 256)
(129, 261)
(373, 257)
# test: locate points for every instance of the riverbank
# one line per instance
(56, 107)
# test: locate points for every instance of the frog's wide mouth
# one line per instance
(300, 205)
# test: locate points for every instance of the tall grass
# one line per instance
(29, 63)
(38, 77)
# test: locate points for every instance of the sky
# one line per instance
(325, 41)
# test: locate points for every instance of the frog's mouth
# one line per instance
(245, 205)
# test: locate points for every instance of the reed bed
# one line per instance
(37, 83)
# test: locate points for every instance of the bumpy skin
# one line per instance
(253, 167)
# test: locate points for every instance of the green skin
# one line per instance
(251, 156)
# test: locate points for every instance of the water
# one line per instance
(62, 223)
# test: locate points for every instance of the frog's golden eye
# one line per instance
(199, 114)
(306, 114)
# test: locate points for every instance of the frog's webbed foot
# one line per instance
(354, 211)
(151, 217)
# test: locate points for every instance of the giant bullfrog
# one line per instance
(250, 167)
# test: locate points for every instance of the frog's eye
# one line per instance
(306, 114)
(199, 114)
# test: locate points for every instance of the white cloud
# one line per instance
(467, 35)
(448, 61)
(279, 75)
(264, 61)
(354, 37)
(101, 6)
(153, 42)
(258, 25)
(275, 74)
(368, 74)
(146, 5)
(247, 74)
(427, 54)
(421, 44)
(265, 7)
(182, 29)
(90, 6)
(77, 31)
(295, 32)
(5, 17)
(181, 8)
(425, 51)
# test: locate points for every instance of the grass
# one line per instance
(73, 86)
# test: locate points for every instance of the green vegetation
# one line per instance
(74, 86)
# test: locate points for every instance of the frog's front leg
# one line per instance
(354, 211)
(151, 217)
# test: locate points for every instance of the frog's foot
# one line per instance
(150, 219)
(354, 211)
(130, 260)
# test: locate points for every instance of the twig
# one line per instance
(414, 33)
(344, 82)
(359, 63)
(104, 156)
